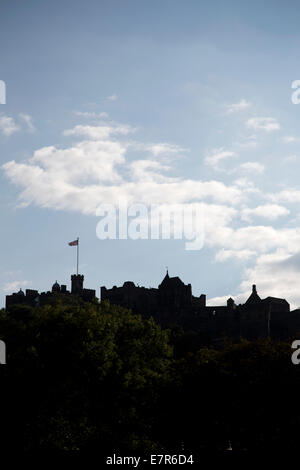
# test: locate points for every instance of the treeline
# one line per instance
(95, 377)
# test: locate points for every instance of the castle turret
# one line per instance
(77, 283)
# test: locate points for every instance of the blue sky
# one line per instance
(157, 101)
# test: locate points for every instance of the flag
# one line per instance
(74, 243)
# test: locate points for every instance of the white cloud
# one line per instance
(266, 211)
(149, 170)
(14, 286)
(99, 132)
(246, 142)
(84, 163)
(258, 238)
(286, 195)
(253, 167)
(217, 155)
(28, 121)
(243, 104)
(246, 185)
(164, 149)
(267, 124)
(224, 255)
(276, 274)
(99, 170)
(276, 271)
(80, 186)
(8, 125)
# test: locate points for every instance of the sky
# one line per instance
(151, 102)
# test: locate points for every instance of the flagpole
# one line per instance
(77, 253)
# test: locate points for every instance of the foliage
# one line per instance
(89, 375)
(97, 377)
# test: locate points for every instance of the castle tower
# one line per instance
(77, 283)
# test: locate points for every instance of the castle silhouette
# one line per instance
(172, 303)
(34, 298)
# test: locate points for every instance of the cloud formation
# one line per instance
(255, 167)
(103, 164)
(266, 211)
(267, 124)
(8, 126)
(98, 132)
(216, 155)
(14, 286)
(27, 119)
(99, 169)
(235, 107)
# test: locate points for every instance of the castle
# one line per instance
(34, 298)
(172, 303)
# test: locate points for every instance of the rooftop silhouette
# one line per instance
(172, 303)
